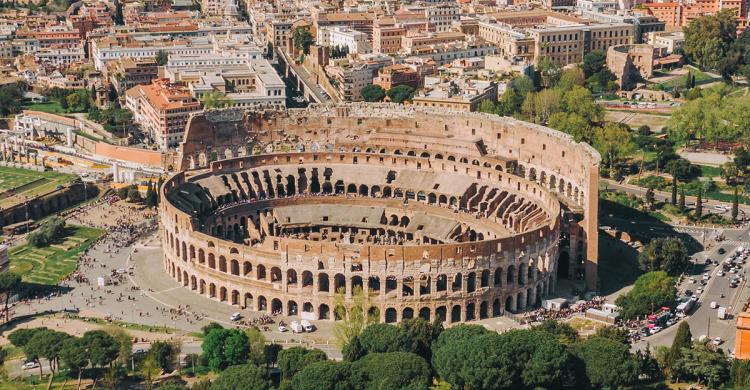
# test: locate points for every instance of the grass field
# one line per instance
(700, 78)
(50, 107)
(51, 264)
(28, 183)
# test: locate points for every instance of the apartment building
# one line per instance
(459, 94)
(162, 109)
(441, 16)
(147, 46)
(386, 38)
(415, 43)
(126, 73)
(680, 14)
(395, 75)
(246, 82)
(355, 41)
(350, 76)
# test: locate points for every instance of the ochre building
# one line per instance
(427, 213)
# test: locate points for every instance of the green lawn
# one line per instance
(51, 264)
(51, 107)
(708, 171)
(29, 183)
(700, 78)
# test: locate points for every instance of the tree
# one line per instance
(564, 332)
(400, 93)
(150, 369)
(740, 374)
(735, 205)
(163, 354)
(162, 57)
(74, 101)
(650, 197)
(293, 360)
(256, 346)
(510, 102)
(271, 353)
(11, 98)
(699, 204)
(708, 38)
(9, 283)
(246, 376)
(608, 362)
(682, 199)
(682, 339)
(394, 370)
(539, 106)
(302, 39)
(703, 364)
(613, 141)
(75, 355)
(667, 254)
(593, 62)
(21, 337)
(225, 347)
(151, 196)
(50, 230)
(216, 99)
(119, 19)
(372, 93)
(327, 375)
(378, 338)
(101, 347)
(651, 291)
(134, 195)
(571, 77)
(125, 343)
(354, 315)
(614, 333)
(673, 199)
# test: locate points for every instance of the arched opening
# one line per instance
(373, 285)
(408, 313)
(223, 294)
(235, 297)
(291, 308)
(222, 264)
(498, 277)
(323, 282)
(260, 272)
(441, 312)
(357, 283)
(470, 310)
(563, 265)
(291, 277)
(235, 267)
(485, 279)
(262, 303)
(496, 309)
(276, 306)
(323, 312)
(457, 281)
(424, 313)
(275, 275)
(307, 307)
(456, 313)
(471, 282)
(246, 268)
(390, 315)
(249, 300)
(441, 282)
(307, 279)
(339, 283)
(483, 310)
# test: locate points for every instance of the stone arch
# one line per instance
(323, 312)
(212, 290)
(222, 264)
(247, 268)
(407, 313)
(276, 306)
(291, 276)
(234, 267)
(323, 285)
(441, 312)
(262, 303)
(339, 282)
(201, 256)
(211, 261)
(248, 300)
(456, 313)
(275, 275)
(496, 308)
(307, 279)
(471, 311)
(424, 313)
(235, 297)
(291, 308)
(391, 316)
(223, 294)
(483, 310)
(498, 280)
(260, 272)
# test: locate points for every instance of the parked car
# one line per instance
(655, 330)
(235, 316)
(30, 365)
(717, 341)
(307, 325)
(282, 328)
(722, 250)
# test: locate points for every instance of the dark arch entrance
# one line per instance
(563, 265)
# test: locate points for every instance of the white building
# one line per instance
(441, 16)
(112, 48)
(245, 81)
(356, 41)
(60, 57)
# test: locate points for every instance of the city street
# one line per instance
(703, 320)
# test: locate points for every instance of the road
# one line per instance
(703, 320)
(709, 206)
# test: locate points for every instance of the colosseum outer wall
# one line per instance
(568, 171)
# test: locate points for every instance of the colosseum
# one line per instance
(428, 213)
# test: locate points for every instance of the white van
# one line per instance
(307, 325)
(714, 305)
(296, 327)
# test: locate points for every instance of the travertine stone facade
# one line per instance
(433, 214)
